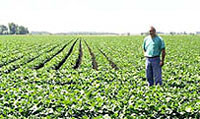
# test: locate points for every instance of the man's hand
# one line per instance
(163, 57)
(161, 63)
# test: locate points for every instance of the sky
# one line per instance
(119, 16)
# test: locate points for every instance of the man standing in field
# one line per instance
(153, 46)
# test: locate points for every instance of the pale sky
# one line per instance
(118, 16)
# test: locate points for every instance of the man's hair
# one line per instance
(153, 28)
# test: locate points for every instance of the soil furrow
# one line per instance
(65, 58)
(28, 61)
(113, 65)
(13, 60)
(93, 58)
(18, 58)
(52, 49)
(18, 51)
(79, 59)
(47, 60)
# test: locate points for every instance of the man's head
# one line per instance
(152, 31)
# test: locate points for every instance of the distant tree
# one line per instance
(15, 29)
(3, 30)
(172, 33)
(12, 28)
(27, 31)
(22, 30)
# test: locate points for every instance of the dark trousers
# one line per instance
(153, 71)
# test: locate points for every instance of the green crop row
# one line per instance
(27, 92)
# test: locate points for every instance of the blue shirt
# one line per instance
(153, 46)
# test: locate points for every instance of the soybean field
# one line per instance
(54, 76)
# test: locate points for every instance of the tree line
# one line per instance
(13, 29)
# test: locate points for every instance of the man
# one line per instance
(153, 46)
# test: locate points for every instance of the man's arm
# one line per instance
(163, 58)
(163, 52)
(143, 46)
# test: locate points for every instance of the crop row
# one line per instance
(95, 89)
(42, 55)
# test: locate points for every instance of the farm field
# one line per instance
(96, 77)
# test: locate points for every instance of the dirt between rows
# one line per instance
(65, 58)
(47, 60)
(79, 59)
(113, 65)
(93, 58)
